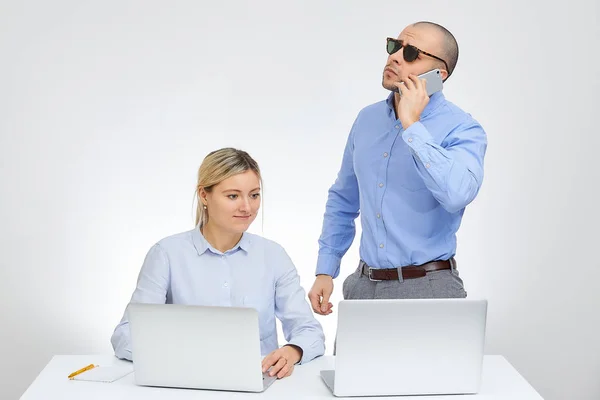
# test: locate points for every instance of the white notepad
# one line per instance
(108, 373)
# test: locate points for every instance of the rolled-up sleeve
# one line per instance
(299, 324)
(152, 286)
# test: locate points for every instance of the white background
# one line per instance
(108, 108)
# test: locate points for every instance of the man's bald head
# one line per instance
(448, 45)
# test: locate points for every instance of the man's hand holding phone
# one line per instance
(412, 100)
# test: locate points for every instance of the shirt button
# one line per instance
(410, 140)
(397, 126)
(427, 165)
(381, 185)
(381, 246)
(378, 215)
(225, 284)
(385, 154)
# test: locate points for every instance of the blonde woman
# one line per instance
(218, 263)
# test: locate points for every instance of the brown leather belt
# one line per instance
(408, 272)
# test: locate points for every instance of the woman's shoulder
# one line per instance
(176, 241)
(261, 242)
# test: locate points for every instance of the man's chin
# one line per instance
(389, 87)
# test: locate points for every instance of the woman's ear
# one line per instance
(202, 195)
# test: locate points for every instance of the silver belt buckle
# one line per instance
(371, 278)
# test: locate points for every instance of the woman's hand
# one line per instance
(282, 361)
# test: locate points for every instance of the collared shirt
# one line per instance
(410, 186)
(257, 272)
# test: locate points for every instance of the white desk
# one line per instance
(499, 381)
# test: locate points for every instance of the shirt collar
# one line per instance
(435, 100)
(201, 244)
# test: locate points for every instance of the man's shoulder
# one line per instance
(372, 113)
(374, 108)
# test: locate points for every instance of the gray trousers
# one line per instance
(434, 285)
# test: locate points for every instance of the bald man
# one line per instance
(411, 165)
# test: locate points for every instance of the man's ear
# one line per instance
(445, 74)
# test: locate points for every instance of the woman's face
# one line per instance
(232, 205)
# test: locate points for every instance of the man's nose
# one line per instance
(397, 57)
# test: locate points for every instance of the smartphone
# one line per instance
(434, 81)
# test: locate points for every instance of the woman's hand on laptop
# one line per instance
(282, 361)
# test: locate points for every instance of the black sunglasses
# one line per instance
(410, 52)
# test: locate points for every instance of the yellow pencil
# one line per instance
(81, 370)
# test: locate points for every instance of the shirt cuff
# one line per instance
(124, 354)
(311, 349)
(416, 137)
(328, 264)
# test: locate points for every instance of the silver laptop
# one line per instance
(197, 347)
(408, 347)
